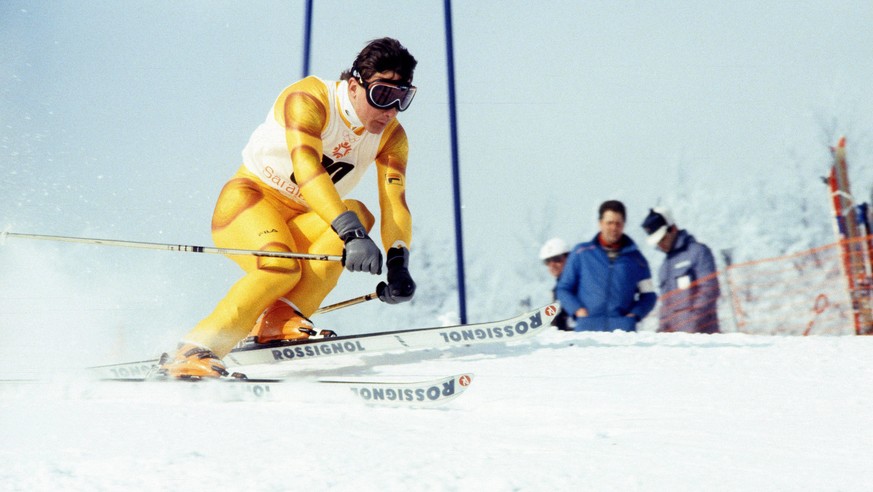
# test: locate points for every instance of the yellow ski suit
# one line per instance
(297, 167)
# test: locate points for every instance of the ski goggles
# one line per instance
(385, 94)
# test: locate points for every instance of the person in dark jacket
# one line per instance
(687, 279)
(606, 284)
(553, 254)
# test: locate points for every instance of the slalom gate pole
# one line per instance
(346, 303)
(172, 247)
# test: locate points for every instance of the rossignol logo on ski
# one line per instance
(132, 371)
(382, 392)
(497, 332)
(288, 353)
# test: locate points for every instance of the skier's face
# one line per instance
(611, 226)
(374, 119)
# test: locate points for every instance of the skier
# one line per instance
(318, 140)
(687, 278)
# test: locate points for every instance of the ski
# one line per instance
(434, 391)
(429, 392)
(521, 327)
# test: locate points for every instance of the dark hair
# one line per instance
(383, 55)
(612, 206)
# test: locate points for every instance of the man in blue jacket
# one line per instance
(687, 279)
(606, 284)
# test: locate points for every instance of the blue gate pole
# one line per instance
(456, 180)
(307, 37)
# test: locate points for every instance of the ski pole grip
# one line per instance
(380, 289)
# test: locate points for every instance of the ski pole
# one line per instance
(346, 303)
(172, 247)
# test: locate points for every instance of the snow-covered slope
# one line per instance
(578, 411)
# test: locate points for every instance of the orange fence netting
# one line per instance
(805, 293)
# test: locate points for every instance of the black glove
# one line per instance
(400, 287)
(360, 254)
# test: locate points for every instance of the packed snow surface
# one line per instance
(564, 411)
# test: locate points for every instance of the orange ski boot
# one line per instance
(281, 322)
(192, 362)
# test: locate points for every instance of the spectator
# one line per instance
(687, 278)
(606, 284)
(554, 254)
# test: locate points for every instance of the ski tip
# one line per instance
(464, 380)
(551, 310)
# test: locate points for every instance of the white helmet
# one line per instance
(553, 247)
(656, 224)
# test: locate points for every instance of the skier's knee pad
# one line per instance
(289, 266)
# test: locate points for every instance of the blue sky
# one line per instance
(124, 119)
